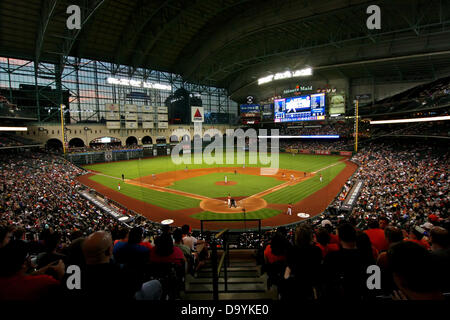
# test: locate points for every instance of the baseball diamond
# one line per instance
(159, 189)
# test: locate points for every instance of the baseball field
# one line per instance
(187, 193)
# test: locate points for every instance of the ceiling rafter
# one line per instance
(47, 11)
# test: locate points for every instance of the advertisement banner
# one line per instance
(162, 109)
(322, 152)
(148, 109)
(162, 117)
(131, 125)
(337, 104)
(112, 107)
(130, 108)
(345, 153)
(197, 114)
(131, 116)
(148, 117)
(111, 115)
(113, 124)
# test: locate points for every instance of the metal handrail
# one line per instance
(222, 259)
(216, 267)
(221, 233)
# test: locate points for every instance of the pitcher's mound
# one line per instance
(222, 183)
(220, 206)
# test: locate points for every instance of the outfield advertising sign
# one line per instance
(197, 114)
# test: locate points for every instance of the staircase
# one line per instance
(244, 280)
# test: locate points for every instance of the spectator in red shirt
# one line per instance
(165, 252)
(329, 227)
(17, 284)
(376, 235)
(277, 249)
(323, 242)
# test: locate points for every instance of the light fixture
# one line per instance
(138, 84)
(410, 120)
(285, 75)
(301, 137)
(13, 129)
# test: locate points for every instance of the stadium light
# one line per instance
(13, 129)
(285, 75)
(138, 84)
(301, 137)
(410, 120)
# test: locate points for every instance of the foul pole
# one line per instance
(62, 129)
(356, 125)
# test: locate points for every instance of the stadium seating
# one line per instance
(405, 187)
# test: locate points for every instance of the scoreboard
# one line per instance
(301, 108)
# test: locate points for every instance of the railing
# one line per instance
(232, 220)
(217, 267)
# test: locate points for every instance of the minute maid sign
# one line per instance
(197, 114)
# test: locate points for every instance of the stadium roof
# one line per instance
(231, 43)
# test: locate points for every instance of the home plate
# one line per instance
(303, 215)
(167, 221)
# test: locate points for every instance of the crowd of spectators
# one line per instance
(429, 95)
(400, 222)
(46, 225)
(317, 145)
(8, 140)
(329, 260)
(102, 147)
(343, 129)
(436, 128)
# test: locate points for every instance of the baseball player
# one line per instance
(289, 209)
(292, 177)
(123, 177)
(233, 203)
(229, 201)
(226, 179)
(118, 187)
(321, 178)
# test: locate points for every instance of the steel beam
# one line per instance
(47, 11)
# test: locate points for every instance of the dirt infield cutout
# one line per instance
(254, 202)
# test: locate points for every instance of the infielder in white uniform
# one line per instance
(226, 179)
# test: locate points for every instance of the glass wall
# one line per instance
(84, 88)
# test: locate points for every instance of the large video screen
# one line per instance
(249, 108)
(301, 108)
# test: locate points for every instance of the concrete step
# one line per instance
(190, 279)
(268, 295)
(232, 287)
(236, 272)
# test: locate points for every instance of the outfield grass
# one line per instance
(259, 214)
(138, 168)
(204, 185)
(247, 185)
(303, 189)
(161, 199)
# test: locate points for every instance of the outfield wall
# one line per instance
(147, 151)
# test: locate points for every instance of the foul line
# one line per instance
(331, 165)
(200, 197)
